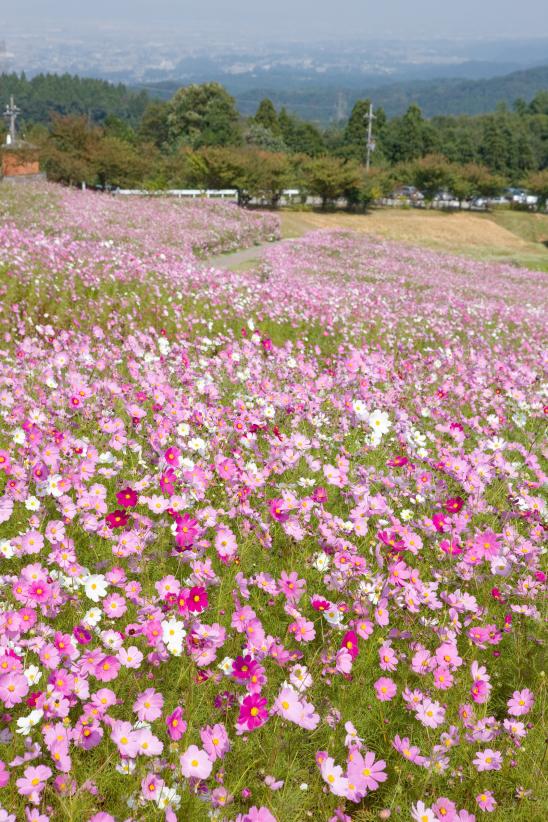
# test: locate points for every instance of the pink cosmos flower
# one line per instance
(350, 643)
(195, 763)
(486, 801)
(114, 606)
(431, 713)
(409, 751)
(444, 809)
(33, 781)
(187, 531)
(117, 519)
(521, 702)
(151, 786)
(488, 760)
(149, 744)
(244, 667)
(125, 738)
(256, 814)
(148, 705)
(172, 455)
(454, 505)
(13, 689)
(365, 771)
(107, 669)
(385, 688)
(215, 741)
(333, 775)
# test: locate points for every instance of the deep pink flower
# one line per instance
(350, 643)
(253, 712)
(197, 600)
(176, 725)
(117, 519)
(127, 498)
(277, 510)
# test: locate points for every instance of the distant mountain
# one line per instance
(454, 96)
(320, 99)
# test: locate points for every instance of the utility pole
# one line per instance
(11, 114)
(370, 142)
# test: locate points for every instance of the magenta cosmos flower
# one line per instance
(253, 711)
(176, 725)
(197, 600)
(127, 498)
(277, 510)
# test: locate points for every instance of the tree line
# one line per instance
(198, 139)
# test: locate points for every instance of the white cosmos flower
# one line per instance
(360, 409)
(92, 617)
(6, 549)
(321, 562)
(33, 674)
(52, 485)
(226, 665)
(173, 634)
(380, 422)
(95, 587)
(26, 723)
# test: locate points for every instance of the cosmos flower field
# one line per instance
(271, 541)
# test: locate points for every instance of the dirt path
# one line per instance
(234, 260)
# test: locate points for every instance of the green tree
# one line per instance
(117, 163)
(331, 178)
(355, 133)
(432, 174)
(538, 184)
(203, 115)
(406, 136)
(266, 116)
(154, 125)
(116, 127)
(299, 136)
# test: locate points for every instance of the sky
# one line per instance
(298, 19)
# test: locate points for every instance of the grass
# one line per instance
(501, 235)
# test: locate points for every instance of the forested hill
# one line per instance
(319, 102)
(447, 96)
(67, 94)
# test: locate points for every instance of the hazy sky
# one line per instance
(302, 19)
